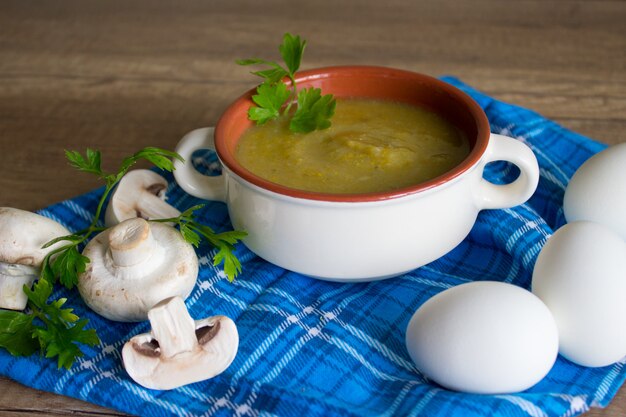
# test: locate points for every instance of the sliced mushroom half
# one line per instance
(140, 193)
(179, 350)
(22, 237)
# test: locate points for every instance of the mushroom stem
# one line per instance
(13, 277)
(131, 242)
(173, 327)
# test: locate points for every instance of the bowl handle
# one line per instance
(189, 179)
(495, 196)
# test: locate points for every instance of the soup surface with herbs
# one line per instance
(372, 146)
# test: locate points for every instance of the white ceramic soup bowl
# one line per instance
(361, 237)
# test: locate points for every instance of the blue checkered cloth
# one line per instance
(318, 348)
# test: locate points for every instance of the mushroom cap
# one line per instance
(22, 235)
(126, 293)
(218, 342)
(140, 193)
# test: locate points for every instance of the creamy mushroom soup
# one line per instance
(372, 146)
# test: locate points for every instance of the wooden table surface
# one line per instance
(118, 76)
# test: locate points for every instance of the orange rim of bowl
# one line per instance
(235, 116)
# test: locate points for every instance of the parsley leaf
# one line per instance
(292, 50)
(61, 329)
(232, 266)
(38, 295)
(272, 75)
(68, 265)
(16, 333)
(269, 99)
(314, 111)
(160, 157)
(62, 342)
(250, 61)
(89, 164)
(189, 234)
(225, 242)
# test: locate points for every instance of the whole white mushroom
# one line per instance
(22, 237)
(135, 265)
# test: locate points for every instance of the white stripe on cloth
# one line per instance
(359, 334)
(391, 411)
(244, 408)
(514, 271)
(430, 282)
(577, 403)
(550, 177)
(220, 402)
(523, 229)
(424, 401)
(80, 212)
(288, 322)
(360, 358)
(144, 394)
(52, 216)
(530, 408)
(439, 273)
(604, 386)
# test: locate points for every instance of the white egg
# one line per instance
(483, 337)
(597, 191)
(580, 275)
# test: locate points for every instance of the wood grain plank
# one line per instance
(18, 400)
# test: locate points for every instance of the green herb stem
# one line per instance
(96, 216)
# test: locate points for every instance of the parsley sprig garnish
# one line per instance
(56, 331)
(69, 263)
(274, 98)
(225, 242)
